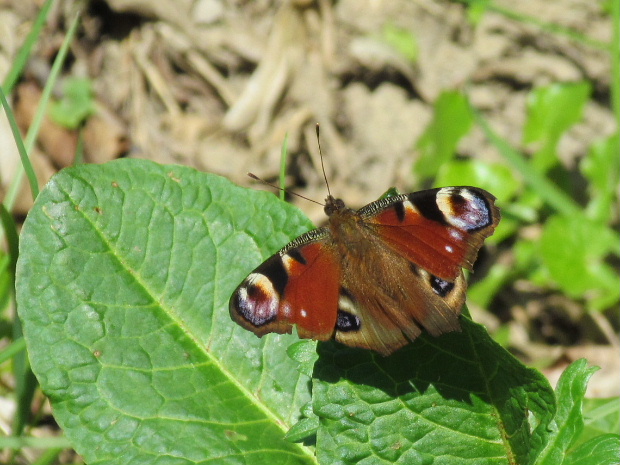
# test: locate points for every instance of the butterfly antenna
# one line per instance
(318, 140)
(253, 176)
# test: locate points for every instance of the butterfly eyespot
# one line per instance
(441, 287)
(256, 300)
(464, 208)
(347, 322)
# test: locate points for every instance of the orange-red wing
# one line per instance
(440, 230)
(310, 298)
(299, 286)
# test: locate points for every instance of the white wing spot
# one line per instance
(456, 234)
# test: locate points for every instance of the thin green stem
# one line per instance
(549, 27)
(33, 131)
(19, 442)
(23, 154)
(49, 456)
(547, 190)
(543, 25)
(19, 63)
(15, 347)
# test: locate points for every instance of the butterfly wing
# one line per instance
(299, 286)
(440, 230)
(386, 323)
(373, 278)
(409, 276)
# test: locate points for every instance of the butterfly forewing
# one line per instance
(297, 286)
(440, 230)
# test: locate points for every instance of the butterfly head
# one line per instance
(333, 205)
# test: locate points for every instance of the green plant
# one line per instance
(123, 280)
(75, 105)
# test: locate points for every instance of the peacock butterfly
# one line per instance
(374, 277)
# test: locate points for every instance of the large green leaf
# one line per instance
(123, 279)
(459, 398)
(123, 282)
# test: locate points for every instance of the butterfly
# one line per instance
(375, 277)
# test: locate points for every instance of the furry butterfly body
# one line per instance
(375, 277)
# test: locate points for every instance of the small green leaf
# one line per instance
(402, 40)
(575, 260)
(602, 168)
(551, 111)
(391, 192)
(76, 104)
(601, 450)
(304, 353)
(123, 281)
(568, 421)
(452, 120)
(304, 429)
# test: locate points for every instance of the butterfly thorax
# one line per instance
(346, 226)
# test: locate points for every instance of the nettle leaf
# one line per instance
(458, 398)
(568, 424)
(601, 450)
(601, 416)
(123, 281)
